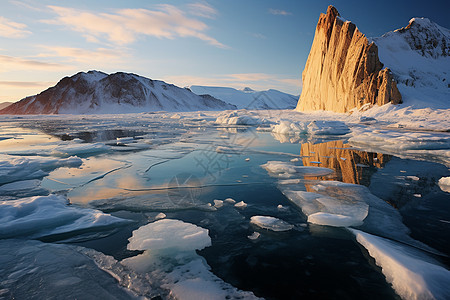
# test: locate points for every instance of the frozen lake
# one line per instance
(222, 206)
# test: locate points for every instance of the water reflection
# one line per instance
(351, 166)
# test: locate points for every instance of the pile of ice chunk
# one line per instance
(412, 274)
(20, 168)
(45, 216)
(313, 128)
(240, 117)
(271, 223)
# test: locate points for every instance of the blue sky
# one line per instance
(262, 44)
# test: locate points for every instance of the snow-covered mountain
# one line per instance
(96, 92)
(419, 57)
(248, 98)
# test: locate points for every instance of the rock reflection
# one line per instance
(351, 166)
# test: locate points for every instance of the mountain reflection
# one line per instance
(351, 166)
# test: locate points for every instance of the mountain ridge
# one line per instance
(97, 92)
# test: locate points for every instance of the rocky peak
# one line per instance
(343, 70)
(426, 37)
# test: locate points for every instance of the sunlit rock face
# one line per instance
(343, 70)
(351, 166)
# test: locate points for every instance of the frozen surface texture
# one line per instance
(31, 269)
(46, 216)
(412, 274)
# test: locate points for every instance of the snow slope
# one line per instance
(248, 98)
(100, 93)
(419, 57)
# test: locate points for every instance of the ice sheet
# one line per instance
(412, 274)
(20, 168)
(32, 269)
(46, 216)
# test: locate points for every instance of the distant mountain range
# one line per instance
(248, 98)
(99, 93)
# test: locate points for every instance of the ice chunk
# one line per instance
(285, 169)
(24, 188)
(160, 216)
(412, 274)
(444, 184)
(328, 128)
(289, 128)
(45, 216)
(239, 118)
(169, 234)
(271, 223)
(218, 203)
(255, 235)
(20, 168)
(241, 204)
(230, 201)
(326, 210)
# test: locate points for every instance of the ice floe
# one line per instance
(24, 168)
(169, 234)
(46, 216)
(271, 223)
(170, 260)
(241, 204)
(412, 274)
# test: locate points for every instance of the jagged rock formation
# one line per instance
(97, 92)
(343, 70)
(351, 166)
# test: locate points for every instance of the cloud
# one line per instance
(279, 12)
(99, 55)
(126, 25)
(10, 63)
(25, 84)
(257, 81)
(12, 29)
(259, 36)
(202, 10)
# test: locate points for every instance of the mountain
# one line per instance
(4, 105)
(343, 70)
(419, 57)
(248, 98)
(97, 92)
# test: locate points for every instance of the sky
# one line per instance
(262, 44)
